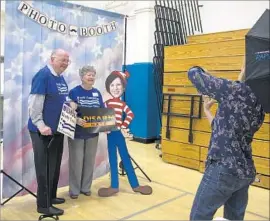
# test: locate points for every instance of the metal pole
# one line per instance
(125, 45)
(190, 16)
(125, 52)
(195, 14)
(160, 27)
(165, 19)
(1, 50)
(177, 31)
(162, 21)
(172, 22)
(182, 19)
(183, 4)
(179, 25)
(199, 14)
(158, 87)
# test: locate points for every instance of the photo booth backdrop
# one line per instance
(28, 45)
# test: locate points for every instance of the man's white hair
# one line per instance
(57, 51)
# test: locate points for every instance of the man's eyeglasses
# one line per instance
(63, 60)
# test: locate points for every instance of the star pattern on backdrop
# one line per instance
(96, 50)
(73, 41)
(15, 69)
(119, 38)
(20, 33)
(101, 21)
(45, 53)
(76, 11)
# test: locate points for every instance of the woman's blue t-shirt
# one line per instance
(55, 90)
(85, 98)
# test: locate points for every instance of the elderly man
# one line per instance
(48, 93)
(230, 168)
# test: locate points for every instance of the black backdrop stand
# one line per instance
(22, 188)
(122, 169)
(29, 191)
(19, 184)
(124, 68)
(121, 166)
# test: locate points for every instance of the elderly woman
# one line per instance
(82, 150)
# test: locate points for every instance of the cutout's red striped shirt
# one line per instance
(120, 107)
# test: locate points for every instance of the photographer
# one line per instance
(229, 167)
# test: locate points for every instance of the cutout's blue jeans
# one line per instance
(116, 141)
(218, 188)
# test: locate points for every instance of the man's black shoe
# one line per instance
(50, 211)
(58, 200)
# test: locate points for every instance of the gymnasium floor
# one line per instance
(173, 193)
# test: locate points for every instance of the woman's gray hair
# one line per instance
(86, 69)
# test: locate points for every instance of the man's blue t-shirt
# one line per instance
(85, 98)
(55, 90)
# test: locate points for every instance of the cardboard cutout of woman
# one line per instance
(115, 86)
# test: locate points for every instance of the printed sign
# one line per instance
(67, 122)
(98, 119)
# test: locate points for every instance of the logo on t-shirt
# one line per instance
(95, 94)
(87, 101)
(62, 88)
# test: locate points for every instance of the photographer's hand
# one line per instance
(208, 103)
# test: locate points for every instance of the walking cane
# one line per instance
(55, 217)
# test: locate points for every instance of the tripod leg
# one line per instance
(140, 169)
(15, 181)
(2, 204)
(121, 166)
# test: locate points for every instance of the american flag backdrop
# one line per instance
(28, 45)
